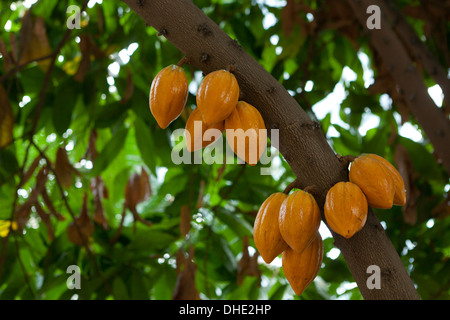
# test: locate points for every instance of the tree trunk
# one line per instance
(432, 119)
(302, 143)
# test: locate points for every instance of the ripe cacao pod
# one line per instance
(168, 95)
(246, 132)
(266, 230)
(299, 219)
(300, 269)
(399, 185)
(196, 128)
(374, 180)
(217, 96)
(346, 209)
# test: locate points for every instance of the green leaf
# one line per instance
(138, 286)
(278, 294)
(64, 103)
(149, 240)
(239, 226)
(110, 114)
(110, 151)
(120, 289)
(145, 144)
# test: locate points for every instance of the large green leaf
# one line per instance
(64, 103)
(110, 150)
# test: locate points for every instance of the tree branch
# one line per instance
(418, 49)
(302, 144)
(72, 214)
(433, 121)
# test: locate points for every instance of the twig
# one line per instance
(119, 229)
(72, 214)
(233, 183)
(33, 129)
(24, 271)
(23, 65)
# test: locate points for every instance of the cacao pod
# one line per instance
(195, 135)
(374, 180)
(399, 185)
(246, 132)
(299, 219)
(300, 269)
(168, 95)
(266, 230)
(346, 209)
(217, 96)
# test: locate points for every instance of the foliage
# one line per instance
(94, 109)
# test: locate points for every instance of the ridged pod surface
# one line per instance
(399, 185)
(299, 219)
(300, 269)
(345, 209)
(168, 95)
(196, 127)
(374, 180)
(217, 96)
(266, 231)
(246, 132)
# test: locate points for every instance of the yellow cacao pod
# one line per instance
(299, 219)
(266, 231)
(300, 269)
(374, 180)
(168, 95)
(399, 185)
(217, 96)
(195, 131)
(345, 209)
(246, 132)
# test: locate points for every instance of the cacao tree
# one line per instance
(88, 177)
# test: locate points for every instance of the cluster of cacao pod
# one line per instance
(218, 107)
(288, 224)
(373, 182)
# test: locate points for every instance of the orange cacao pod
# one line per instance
(246, 132)
(217, 96)
(266, 231)
(196, 128)
(346, 209)
(299, 219)
(399, 185)
(168, 95)
(374, 180)
(300, 269)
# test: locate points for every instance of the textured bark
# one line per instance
(302, 143)
(411, 86)
(417, 48)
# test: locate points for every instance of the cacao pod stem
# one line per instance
(292, 185)
(183, 61)
(312, 189)
(346, 160)
(231, 68)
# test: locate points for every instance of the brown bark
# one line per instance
(415, 46)
(411, 86)
(302, 143)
